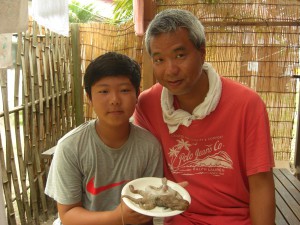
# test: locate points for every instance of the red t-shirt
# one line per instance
(215, 154)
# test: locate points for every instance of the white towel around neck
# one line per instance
(174, 118)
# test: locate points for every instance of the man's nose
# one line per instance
(171, 67)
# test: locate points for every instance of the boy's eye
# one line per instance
(103, 91)
(125, 90)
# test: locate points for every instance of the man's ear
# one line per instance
(202, 49)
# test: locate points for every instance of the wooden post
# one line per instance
(149, 12)
(77, 78)
(147, 70)
(297, 148)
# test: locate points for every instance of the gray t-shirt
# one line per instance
(85, 170)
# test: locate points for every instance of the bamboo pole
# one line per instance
(6, 172)
(17, 124)
(66, 72)
(78, 95)
(61, 78)
(53, 100)
(28, 116)
(40, 124)
(56, 85)
(10, 158)
(45, 57)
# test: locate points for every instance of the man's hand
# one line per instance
(183, 184)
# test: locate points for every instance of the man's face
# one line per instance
(177, 64)
(113, 99)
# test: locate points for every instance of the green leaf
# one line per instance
(82, 13)
(123, 11)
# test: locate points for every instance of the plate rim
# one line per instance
(152, 213)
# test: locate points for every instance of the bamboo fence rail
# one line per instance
(254, 43)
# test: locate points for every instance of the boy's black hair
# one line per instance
(112, 64)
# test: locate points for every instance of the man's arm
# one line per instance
(75, 214)
(262, 198)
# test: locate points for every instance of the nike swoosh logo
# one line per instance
(90, 187)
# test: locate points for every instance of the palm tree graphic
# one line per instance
(176, 149)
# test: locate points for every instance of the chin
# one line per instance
(117, 122)
(178, 92)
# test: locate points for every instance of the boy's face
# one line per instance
(113, 100)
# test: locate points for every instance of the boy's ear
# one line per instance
(138, 93)
(137, 96)
(89, 98)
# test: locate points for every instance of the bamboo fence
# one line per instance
(254, 43)
(41, 113)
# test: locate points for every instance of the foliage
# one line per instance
(123, 11)
(82, 13)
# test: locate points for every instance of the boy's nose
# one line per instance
(115, 98)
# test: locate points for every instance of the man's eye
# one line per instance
(179, 56)
(157, 60)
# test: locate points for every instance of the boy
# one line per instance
(93, 162)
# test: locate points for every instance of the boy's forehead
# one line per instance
(113, 79)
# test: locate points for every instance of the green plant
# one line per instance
(82, 13)
(123, 11)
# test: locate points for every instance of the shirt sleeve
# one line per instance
(259, 149)
(64, 182)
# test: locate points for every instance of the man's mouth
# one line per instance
(174, 83)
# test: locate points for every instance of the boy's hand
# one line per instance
(130, 216)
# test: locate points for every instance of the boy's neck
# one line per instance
(113, 137)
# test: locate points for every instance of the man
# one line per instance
(214, 132)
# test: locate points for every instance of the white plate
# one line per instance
(142, 183)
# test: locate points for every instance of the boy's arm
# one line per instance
(262, 198)
(75, 214)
